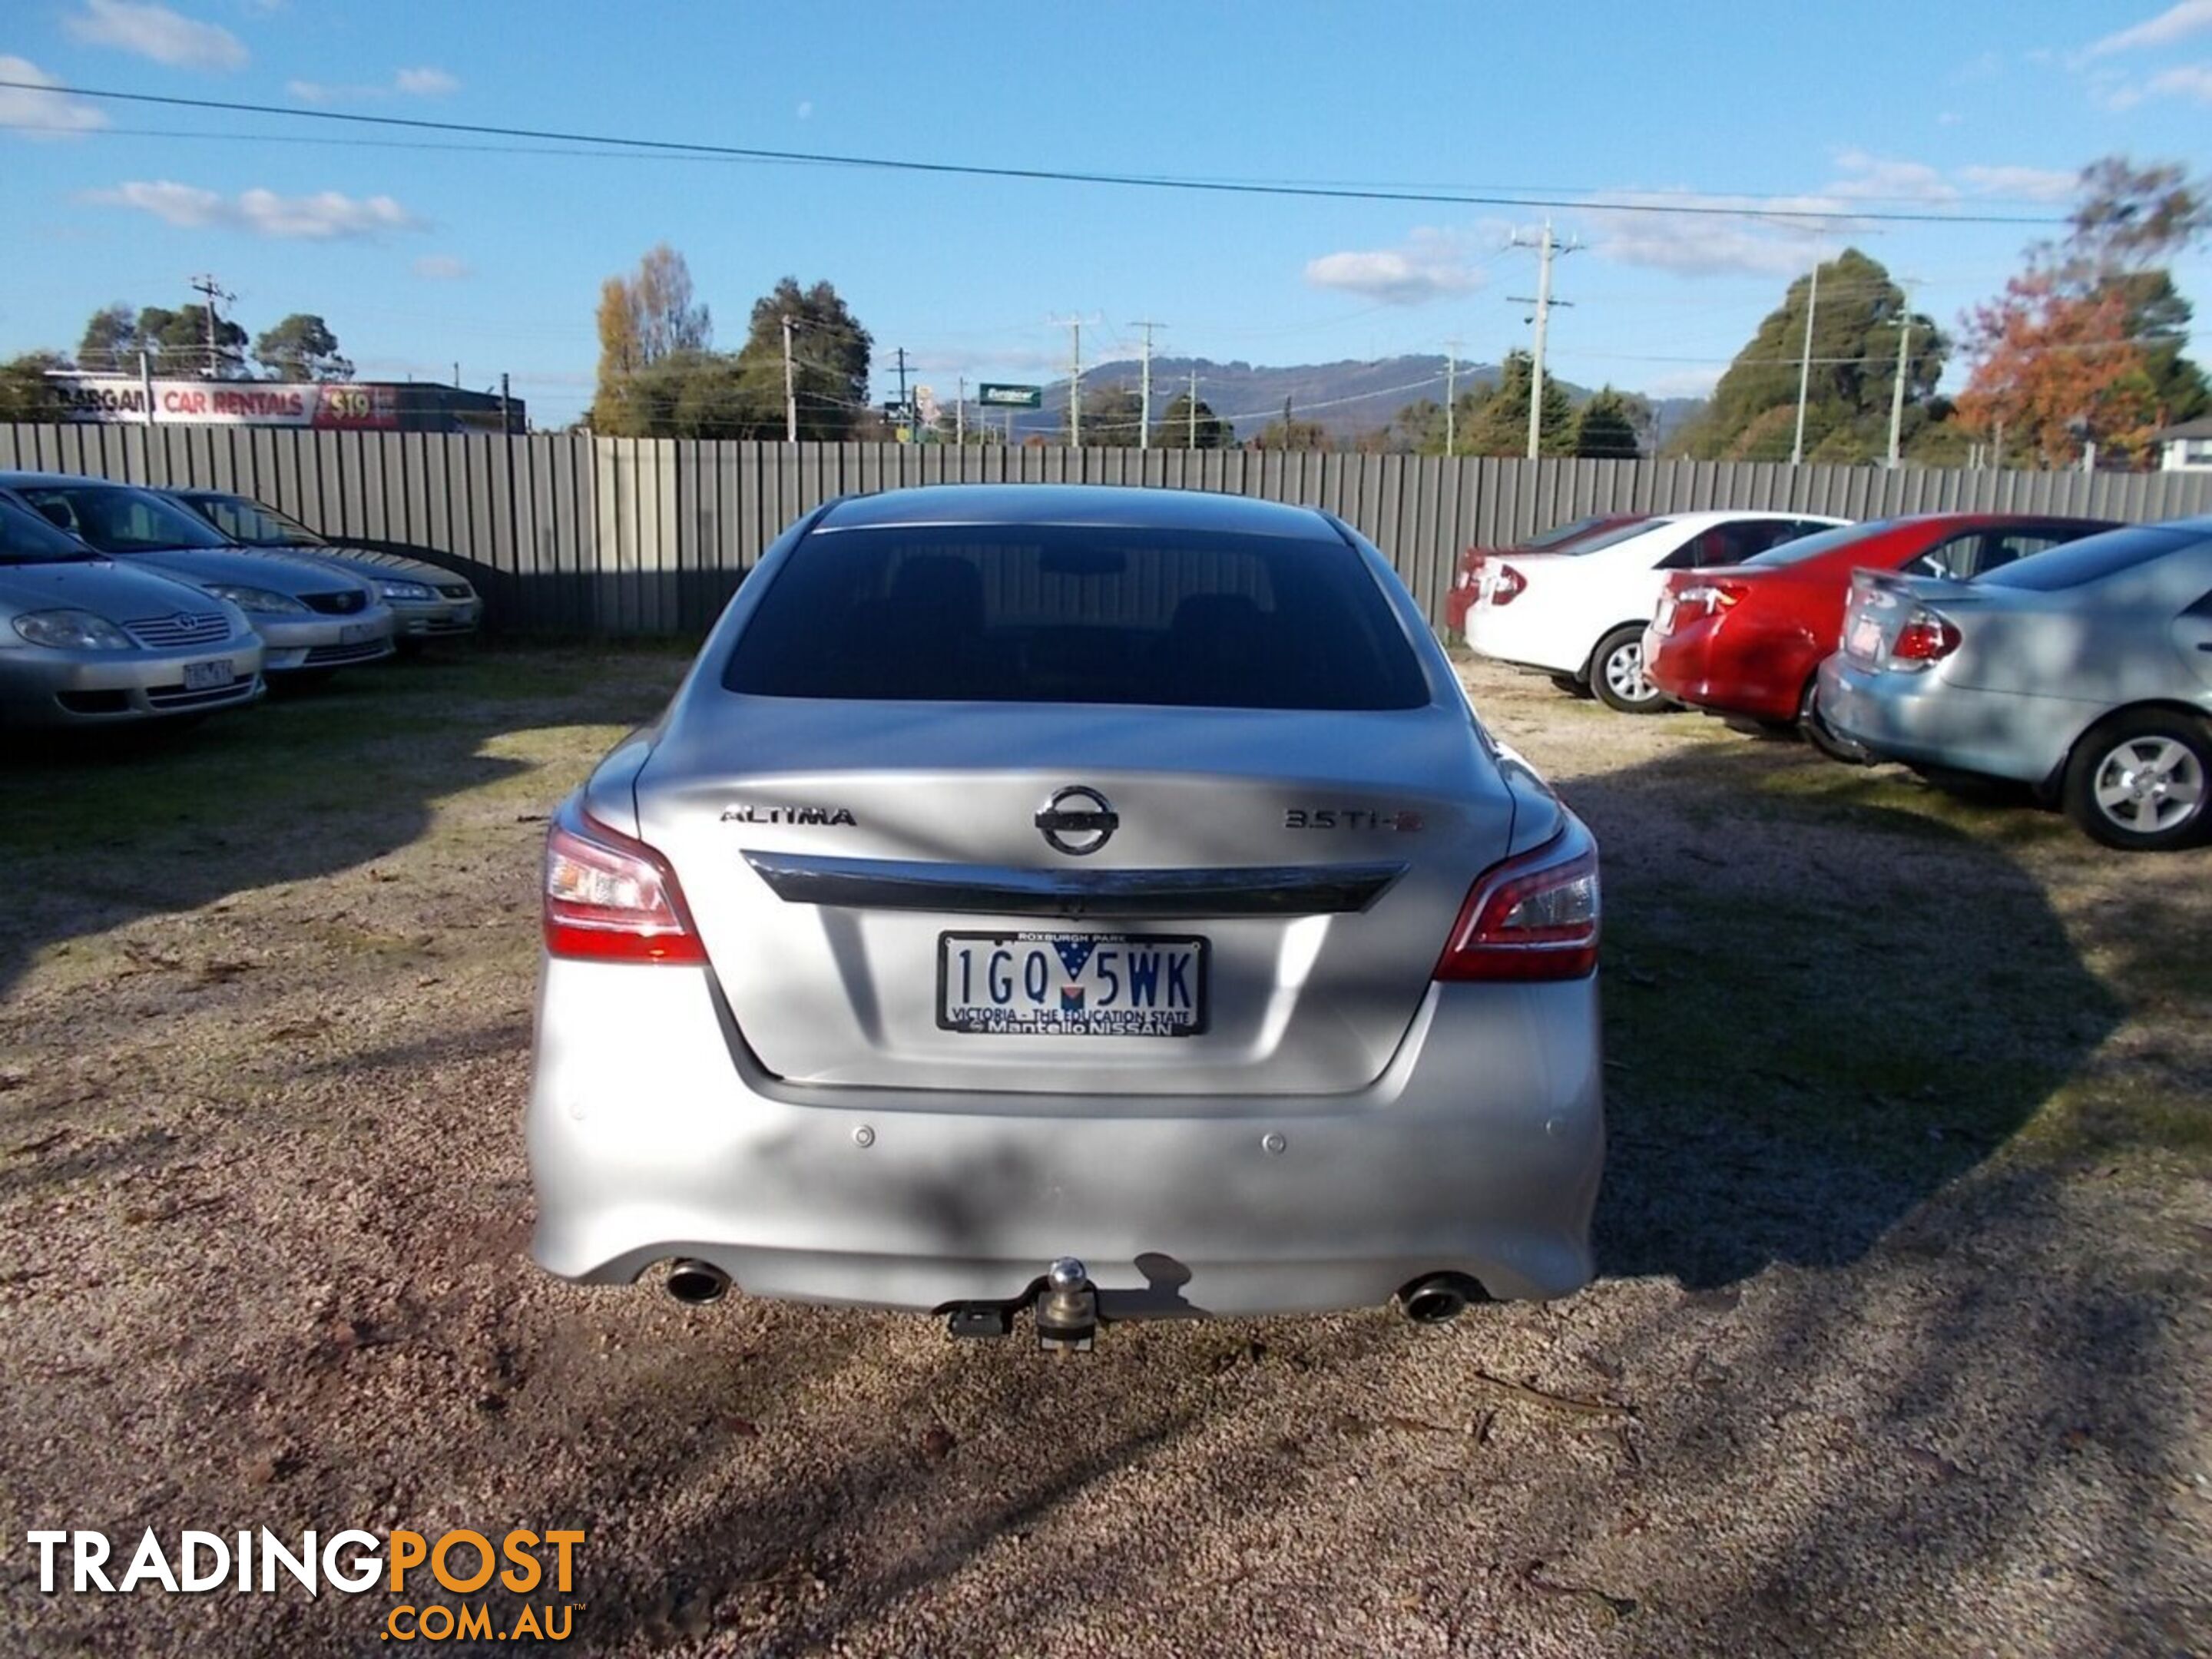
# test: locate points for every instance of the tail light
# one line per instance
(1534, 917)
(1510, 586)
(1709, 598)
(1925, 638)
(609, 898)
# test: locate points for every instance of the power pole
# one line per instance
(1075, 383)
(1896, 391)
(505, 420)
(213, 292)
(901, 375)
(1546, 245)
(1144, 395)
(960, 414)
(1451, 397)
(1805, 366)
(790, 388)
(1192, 412)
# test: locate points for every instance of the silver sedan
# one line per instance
(429, 602)
(313, 620)
(1102, 902)
(86, 641)
(2085, 671)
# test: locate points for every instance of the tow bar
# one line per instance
(1065, 1308)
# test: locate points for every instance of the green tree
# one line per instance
(829, 353)
(26, 393)
(1499, 424)
(302, 348)
(1855, 321)
(1176, 431)
(111, 343)
(1113, 416)
(1605, 427)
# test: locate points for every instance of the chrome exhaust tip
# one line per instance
(1437, 1299)
(695, 1283)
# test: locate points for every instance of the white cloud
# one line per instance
(805, 109)
(424, 83)
(42, 114)
(153, 31)
(2021, 184)
(2186, 18)
(325, 217)
(1874, 177)
(2186, 81)
(1684, 382)
(443, 268)
(1430, 264)
(1715, 243)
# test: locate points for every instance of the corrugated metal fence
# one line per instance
(577, 535)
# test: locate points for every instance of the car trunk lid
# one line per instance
(825, 866)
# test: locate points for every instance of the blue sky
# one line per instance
(421, 257)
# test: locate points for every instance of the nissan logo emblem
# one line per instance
(1078, 820)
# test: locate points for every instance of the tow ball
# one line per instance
(1067, 1312)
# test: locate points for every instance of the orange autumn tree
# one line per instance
(2051, 368)
(2070, 353)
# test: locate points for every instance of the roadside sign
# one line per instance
(1010, 397)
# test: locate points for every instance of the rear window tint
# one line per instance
(1826, 541)
(2091, 559)
(1023, 613)
(1602, 540)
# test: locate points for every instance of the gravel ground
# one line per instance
(1901, 1346)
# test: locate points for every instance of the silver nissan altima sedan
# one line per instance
(1097, 903)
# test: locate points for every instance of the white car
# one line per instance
(1579, 615)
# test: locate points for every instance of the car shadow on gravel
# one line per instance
(1819, 1012)
(108, 827)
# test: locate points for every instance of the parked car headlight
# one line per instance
(73, 630)
(406, 591)
(261, 602)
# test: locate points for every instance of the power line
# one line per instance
(1055, 175)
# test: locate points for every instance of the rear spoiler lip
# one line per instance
(1924, 590)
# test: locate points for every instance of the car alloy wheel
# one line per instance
(2141, 783)
(1617, 673)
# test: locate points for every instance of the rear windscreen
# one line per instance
(1822, 542)
(2091, 559)
(1023, 613)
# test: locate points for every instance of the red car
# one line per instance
(1748, 640)
(1562, 539)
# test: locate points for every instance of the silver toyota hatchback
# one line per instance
(1097, 902)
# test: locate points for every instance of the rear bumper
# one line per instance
(1924, 719)
(1708, 665)
(652, 1134)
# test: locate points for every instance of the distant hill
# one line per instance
(1345, 399)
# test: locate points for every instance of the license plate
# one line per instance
(1663, 623)
(355, 632)
(207, 676)
(1071, 984)
(1866, 639)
